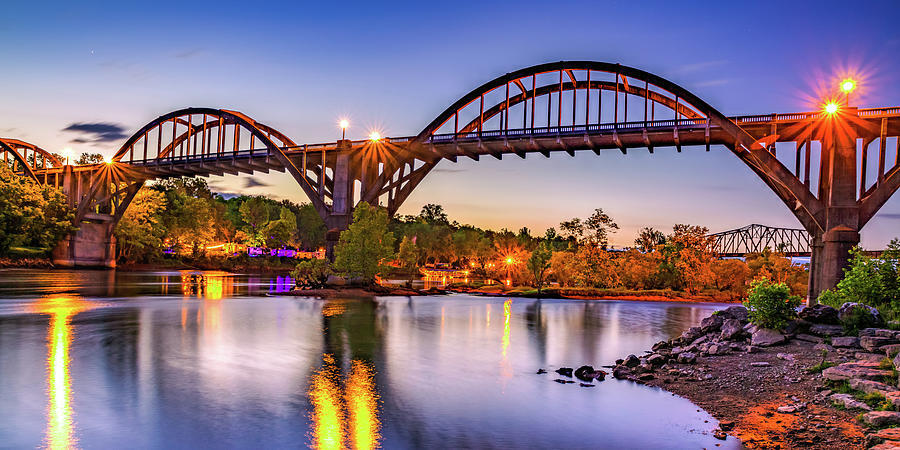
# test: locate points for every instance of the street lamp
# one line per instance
(344, 123)
(374, 136)
(831, 107)
(509, 263)
(848, 85)
(68, 153)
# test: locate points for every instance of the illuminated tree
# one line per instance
(363, 248)
(648, 239)
(538, 264)
(31, 215)
(564, 268)
(139, 234)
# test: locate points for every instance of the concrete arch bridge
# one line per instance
(559, 107)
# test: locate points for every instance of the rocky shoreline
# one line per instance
(811, 384)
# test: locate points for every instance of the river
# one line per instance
(112, 359)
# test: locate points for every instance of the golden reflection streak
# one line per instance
(60, 428)
(362, 404)
(327, 415)
(349, 419)
(507, 312)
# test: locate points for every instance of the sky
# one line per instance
(86, 75)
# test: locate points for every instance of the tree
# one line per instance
(600, 225)
(871, 281)
(730, 276)
(434, 215)
(648, 239)
(89, 158)
(312, 273)
(538, 264)
(564, 268)
(408, 256)
(572, 230)
(693, 254)
(638, 270)
(280, 231)
(596, 268)
(31, 215)
(140, 232)
(311, 227)
(365, 245)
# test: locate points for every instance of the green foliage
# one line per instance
(312, 273)
(538, 264)
(139, 234)
(31, 215)
(870, 281)
(408, 256)
(362, 249)
(771, 305)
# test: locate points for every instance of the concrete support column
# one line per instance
(93, 244)
(838, 184)
(343, 199)
(815, 270)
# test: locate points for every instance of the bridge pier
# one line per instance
(93, 244)
(338, 219)
(837, 190)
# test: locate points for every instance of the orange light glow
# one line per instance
(374, 136)
(509, 260)
(831, 107)
(327, 415)
(848, 85)
(60, 432)
(362, 406)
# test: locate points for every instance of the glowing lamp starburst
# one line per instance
(831, 107)
(344, 123)
(848, 85)
(374, 136)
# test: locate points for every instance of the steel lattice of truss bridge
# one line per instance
(755, 238)
(833, 170)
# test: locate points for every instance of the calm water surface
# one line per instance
(105, 359)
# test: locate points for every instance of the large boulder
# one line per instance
(865, 370)
(735, 312)
(711, 323)
(845, 341)
(764, 337)
(825, 330)
(631, 361)
(732, 329)
(879, 419)
(848, 401)
(870, 386)
(876, 343)
(687, 358)
(691, 334)
(861, 316)
(820, 314)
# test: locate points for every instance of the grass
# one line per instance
(28, 252)
(818, 368)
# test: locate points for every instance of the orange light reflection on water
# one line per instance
(60, 432)
(348, 419)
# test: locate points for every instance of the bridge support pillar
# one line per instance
(837, 189)
(341, 212)
(93, 244)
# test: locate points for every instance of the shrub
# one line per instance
(771, 305)
(312, 273)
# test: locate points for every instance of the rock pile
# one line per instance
(865, 372)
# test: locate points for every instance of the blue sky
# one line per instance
(396, 65)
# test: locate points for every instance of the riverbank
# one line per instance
(593, 294)
(809, 385)
(358, 291)
(25, 263)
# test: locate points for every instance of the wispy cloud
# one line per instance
(698, 66)
(890, 216)
(251, 182)
(96, 133)
(190, 53)
(708, 83)
(449, 170)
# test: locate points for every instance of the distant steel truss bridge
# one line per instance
(755, 238)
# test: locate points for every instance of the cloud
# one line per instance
(890, 216)
(449, 170)
(704, 65)
(251, 182)
(190, 53)
(709, 83)
(96, 133)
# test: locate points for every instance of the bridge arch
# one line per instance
(560, 84)
(190, 142)
(16, 156)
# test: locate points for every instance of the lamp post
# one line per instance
(848, 86)
(68, 153)
(509, 263)
(344, 123)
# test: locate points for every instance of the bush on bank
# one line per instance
(870, 281)
(770, 304)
